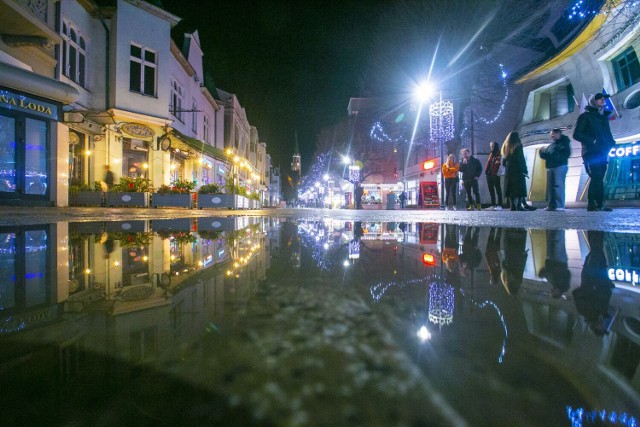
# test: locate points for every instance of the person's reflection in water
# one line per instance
(556, 267)
(492, 254)
(450, 255)
(515, 252)
(107, 245)
(471, 256)
(593, 295)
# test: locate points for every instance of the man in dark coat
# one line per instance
(471, 169)
(594, 133)
(556, 156)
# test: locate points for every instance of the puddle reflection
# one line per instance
(547, 321)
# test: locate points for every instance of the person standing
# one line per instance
(493, 179)
(450, 172)
(471, 169)
(593, 132)
(515, 185)
(403, 200)
(556, 157)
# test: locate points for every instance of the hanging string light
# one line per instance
(441, 303)
(580, 417)
(441, 122)
(503, 77)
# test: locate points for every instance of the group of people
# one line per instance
(592, 131)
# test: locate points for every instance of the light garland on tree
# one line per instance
(441, 127)
(378, 134)
(503, 76)
(379, 289)
(500, 316)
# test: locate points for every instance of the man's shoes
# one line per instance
(560, 209)
(521, 208)
(490, 208)
(529, 207)
(469, 207)
(454, 208)
(592, 208)
(498, 208)
(478, 206)
(550, 209)
(605, 209)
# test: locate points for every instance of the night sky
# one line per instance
(294, 64)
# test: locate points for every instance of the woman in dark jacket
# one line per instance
(493, 179)
(515, 185)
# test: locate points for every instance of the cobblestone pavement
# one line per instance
(621, 219)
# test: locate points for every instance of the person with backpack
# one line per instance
(492, 172)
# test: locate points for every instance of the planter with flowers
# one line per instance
(176, 195)
(129, 192)
(211, 196)
(85, 195)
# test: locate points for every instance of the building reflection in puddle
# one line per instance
(144, 291)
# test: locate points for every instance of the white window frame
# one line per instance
(175, 106)
(79, 74)
(144, 64)
(205, 128)
(194, 117)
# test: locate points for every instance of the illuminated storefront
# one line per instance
(623, 174)
(26, 124)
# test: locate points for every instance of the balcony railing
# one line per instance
(39, 8)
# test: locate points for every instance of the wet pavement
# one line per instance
(319, 317)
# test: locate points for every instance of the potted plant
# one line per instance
(178, 194)
(129, 192)
(85, 195)
(211, 196)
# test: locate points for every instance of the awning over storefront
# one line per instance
(35, 84)
(200, 146)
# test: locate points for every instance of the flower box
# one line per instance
(229, 201)
(173, 200)
(85, 198)
(127, 199)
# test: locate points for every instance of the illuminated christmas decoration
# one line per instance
(354, 249)
(441, 303)
(441, 127)
(579, 417)
(503, 76)
(502, 321)
(378, 134)
(355, 174)
(580, 9)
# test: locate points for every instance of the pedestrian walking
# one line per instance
(556, 157)
(471, 169)
(109, 178)
(492, 172)
(450, 172)
(593, 132)
(515, 185)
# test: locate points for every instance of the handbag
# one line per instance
(501, 170)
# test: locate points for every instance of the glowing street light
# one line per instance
(425, 91)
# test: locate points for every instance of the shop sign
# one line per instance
(623, 275)
(629, 150)
(29, 105)
(137, 130)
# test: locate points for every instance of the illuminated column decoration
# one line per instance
(441, 128)
(354, 174)
(441, 301)
(354, 249)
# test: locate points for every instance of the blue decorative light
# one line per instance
(580, 417)
(441, 122)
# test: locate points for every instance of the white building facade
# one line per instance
(604, 57)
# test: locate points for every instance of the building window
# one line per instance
(142, 70)
(626, 68)
(205, 128)
(571, 99)
(74, 53)
(550, 101)
(176, 101)
(194, 116)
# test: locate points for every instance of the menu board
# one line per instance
(429, 192)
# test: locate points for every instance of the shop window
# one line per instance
(7, 154)
(142, 70)
(626, 68)
(176, 101)
(74, 54)
(76, 158)
(135, 158)
(36, 157)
